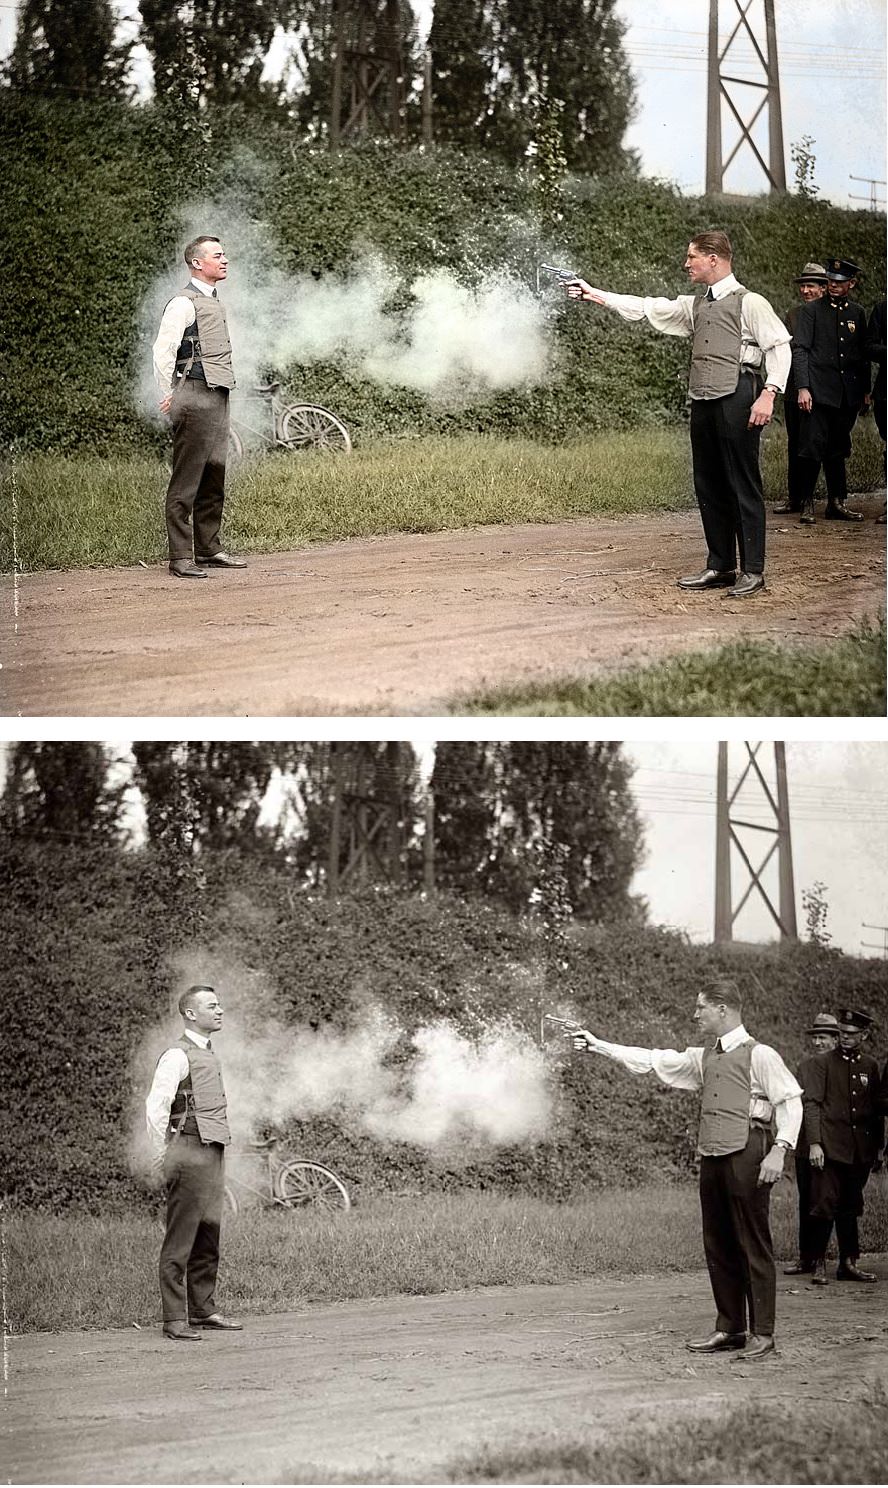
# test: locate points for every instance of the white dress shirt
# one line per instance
(174, 322)
(763, 336)
(172, 1067)
(774, 1090)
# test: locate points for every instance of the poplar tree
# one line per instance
(69, 48)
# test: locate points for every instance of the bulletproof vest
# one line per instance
(715, 360)
(724, 1113)
(205, 349)
(200, 1098)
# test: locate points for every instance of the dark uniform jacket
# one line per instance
(829, 352)
(843, 1106)
(875, 347)
(804, 1079)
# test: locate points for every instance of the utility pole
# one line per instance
(367, 91)
(728, 827)
(873, 198)
(871, 945)
(751, 42)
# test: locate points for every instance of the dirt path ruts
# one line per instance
(403, 625)
(404, 1385)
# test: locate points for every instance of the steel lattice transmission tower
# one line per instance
(751, 47)
(729, 822)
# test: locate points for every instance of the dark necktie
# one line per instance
(709, 294)
(215, 296)
(209, 1047)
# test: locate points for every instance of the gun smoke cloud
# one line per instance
(450, 1091)
(453, 342)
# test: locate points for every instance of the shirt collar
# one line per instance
(206, 289)
(197, 1038)
(734, 1039)
(724, 287)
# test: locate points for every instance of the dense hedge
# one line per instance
(91, 942)
(91, 202)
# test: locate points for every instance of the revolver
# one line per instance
(564, 276)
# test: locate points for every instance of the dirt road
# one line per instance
(406, 1385)
(404, 625)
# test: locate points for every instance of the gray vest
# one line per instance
(206, 347)
(199, 1107)
(724, 1113)
(715, 360)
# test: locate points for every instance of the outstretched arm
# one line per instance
(680, 1069)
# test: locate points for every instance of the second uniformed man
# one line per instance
(830, 368)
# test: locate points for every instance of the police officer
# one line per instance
(823, 1036)
(844, 1127)
(830, 366)
(875, 345)
(812, 284)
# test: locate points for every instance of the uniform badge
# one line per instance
(852, 326)
(864, 1080)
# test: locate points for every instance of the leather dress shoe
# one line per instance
(818, 1275)
(717, 1343)
(850, 1271)
(806, 515)
(710, 578)
(756, 1348)
(217, 1320)
(837, 511)
(746, 585)
(798, 1268)
(181, 1333)
(183, 568)
(786, 510)
(222, 560)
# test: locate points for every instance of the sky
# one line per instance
(832, 71)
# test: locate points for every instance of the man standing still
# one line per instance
(193, 369)
(744, 1085)
(187, 1119)
(822, 1036)
(830, 367)
(739, 362)
(812, 284)
(844, 1125)
(875, 347)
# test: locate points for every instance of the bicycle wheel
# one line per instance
(308, 426)
(235, 446)
(308, 1185)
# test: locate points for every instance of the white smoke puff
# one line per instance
(324, 1070)
(496, 1089)
(456, 338)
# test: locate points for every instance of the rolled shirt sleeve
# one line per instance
(172, 1067)
(774, 1084)
(683, 1071)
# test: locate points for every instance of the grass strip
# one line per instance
(837, 679)
(91, 512)
(87, 1271)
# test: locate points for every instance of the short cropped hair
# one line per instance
(193, 248)
(187, 998)
(722, 989)
(716, 242)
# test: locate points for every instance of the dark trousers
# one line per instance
(727, 478)
(825, 439)
(837, 1195)
(737, 1237)
(791, 416)
(189, 1256)
(196, 492)
(807, 1236)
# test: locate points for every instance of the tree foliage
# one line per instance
(501, 809)
(61, 791)
(494, 61)
(215, 51)
(69, 48)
